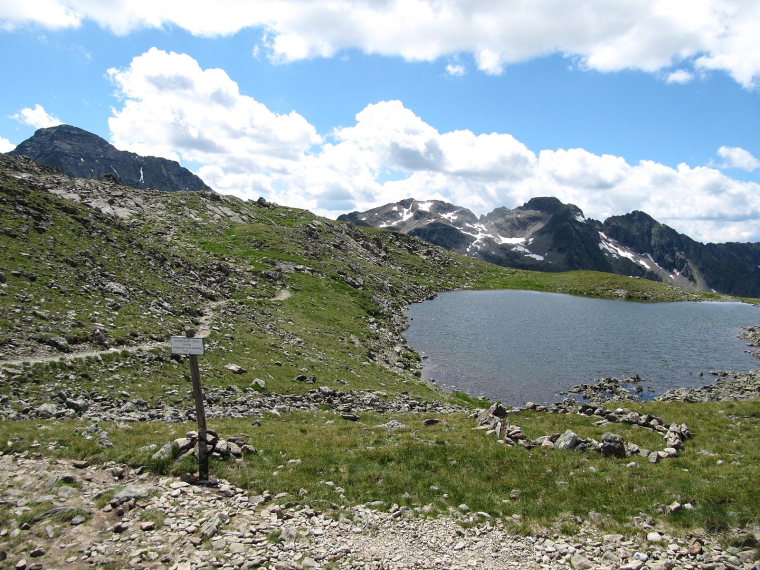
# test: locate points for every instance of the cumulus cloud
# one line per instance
(652, 36)
(6, 145)
(173, 108)
(170, 106)
(736, 157)
(36, 117)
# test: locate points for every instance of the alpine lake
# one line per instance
(518, 346)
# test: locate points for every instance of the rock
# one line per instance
(132, 492)
(259, 383)
(79, 406)
(663, 565)
(166, 452)
(580, 562)
(47, 410)
(613, 445)
(183, 443)
(654, 536)
(235, 369)
(59, 343)
(350, 417)
(235, 450)
(568, 440)
(213, 524)
(116, 289)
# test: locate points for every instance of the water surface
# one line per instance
(516, 346)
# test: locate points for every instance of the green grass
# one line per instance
(449, 464)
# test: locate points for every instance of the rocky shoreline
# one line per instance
(730, 385)
(229, 402)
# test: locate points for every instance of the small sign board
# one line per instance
(185, 345)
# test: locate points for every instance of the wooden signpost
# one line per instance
(194, 347)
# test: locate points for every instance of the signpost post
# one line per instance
(194, 347)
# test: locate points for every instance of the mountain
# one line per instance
(81, 154)
(546, 235)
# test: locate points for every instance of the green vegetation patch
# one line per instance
(395, 458)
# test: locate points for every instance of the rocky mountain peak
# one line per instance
(547, 204)
(546, 234)
(82, 154)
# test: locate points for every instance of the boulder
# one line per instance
(613, 445)
(568, 440)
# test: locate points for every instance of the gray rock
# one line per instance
(166, 452)
(132, 492)
(213, 524)
(59, 343)
(613, 445)
(182, 443)
(568, 440)
(580, 562)
(79, 406)
(116, 289)
(47, 410)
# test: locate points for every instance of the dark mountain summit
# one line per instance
(546, 235)
(81, 154)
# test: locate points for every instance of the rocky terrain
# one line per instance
(83, 516)
(81, 154)
(300, 315)
(546, 235)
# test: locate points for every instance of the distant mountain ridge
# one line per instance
(81, 154)
(545, 234)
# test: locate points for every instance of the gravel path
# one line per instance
(128, 519)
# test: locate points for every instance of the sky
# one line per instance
(343, 105)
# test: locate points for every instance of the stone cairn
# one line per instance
(496, 421)
(218, 448)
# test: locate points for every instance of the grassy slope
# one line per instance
(340, 323)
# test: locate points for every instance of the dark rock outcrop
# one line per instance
(81, 154)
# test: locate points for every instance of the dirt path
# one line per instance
(203, 329)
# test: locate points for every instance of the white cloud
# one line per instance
(736, 157)
(680, 76)
(173, 108)
(52, 14)
(455, 69)
(36, 117)
(6, 145)
(649, 35)
(389, 153)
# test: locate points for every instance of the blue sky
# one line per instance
(345, 105)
